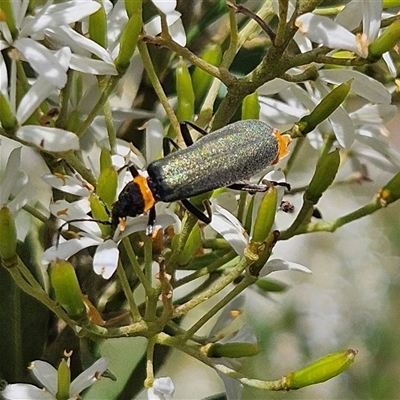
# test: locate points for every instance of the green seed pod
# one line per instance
(99, 213)
(98, 26)
(232, 350)
(201, 79)
(385, 42)
(66, 289)
(271, 285)
(133, 7)
(184, 91)
(107, 185)
(265, 216)
(391, 191)
(324, 175)
(7, 118)
(320, 371)
(192, 244)
(7, 15)
(128, 41)
(251, 107)
(325, 108)
(8, 242)
(63, 381)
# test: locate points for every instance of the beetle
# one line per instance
(227, 157)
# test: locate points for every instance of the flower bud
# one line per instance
(325, 108)
(7, 118)
(133, 7)
(251, 107)
(66, 289)
(184, 91)
(107, 185)
(271, 285)
(100, 213)
(63, 380)
(265, 216)
(201, 79)
(390, 192)
(321, 370)
(192, 244)
(98, 26)
(7, 15)
(324, 175)
(232, 350)
(385, 42)
(129, 38)
(8, 242)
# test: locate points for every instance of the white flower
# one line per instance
(230, 228)
(324, 31)
(298, 102)
(174, 22)
(48, 376)
(50, 22)
(161, 388)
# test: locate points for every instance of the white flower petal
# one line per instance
(230, 228)
(32, 99)
(24, 391)
(282, 265)
(177, 31)
(343, 127)
(90, 66)
(140, 223)
(49, 139)
(389, 152)
(273, 87)
(165, 6)
(88, 377)
(60, 14)
(324, 31)
(3, 77)
(106, 258)
(11, 173)
(372, 10)
(46, 374)
(21, 198)
(161, 387)
(66, 183)
(374, 114)
(43, 61)
(79, 44)
(362, 84)
(154, 137)
(228, 315)
(76, 211)
(351, 15)
(67, 249)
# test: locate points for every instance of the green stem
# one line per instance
(128, 292)
(136, 266)
(246, 282)
(206, 270)
(149, 364)
(39, 294)
(107, 89)
(80, 167)
(112, 135)
(244, 263)
(65, 94)
(331, 226)
(151, 72)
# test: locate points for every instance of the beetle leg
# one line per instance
(151, 222)
(166, 145)
(197, 212)
(254, 188)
